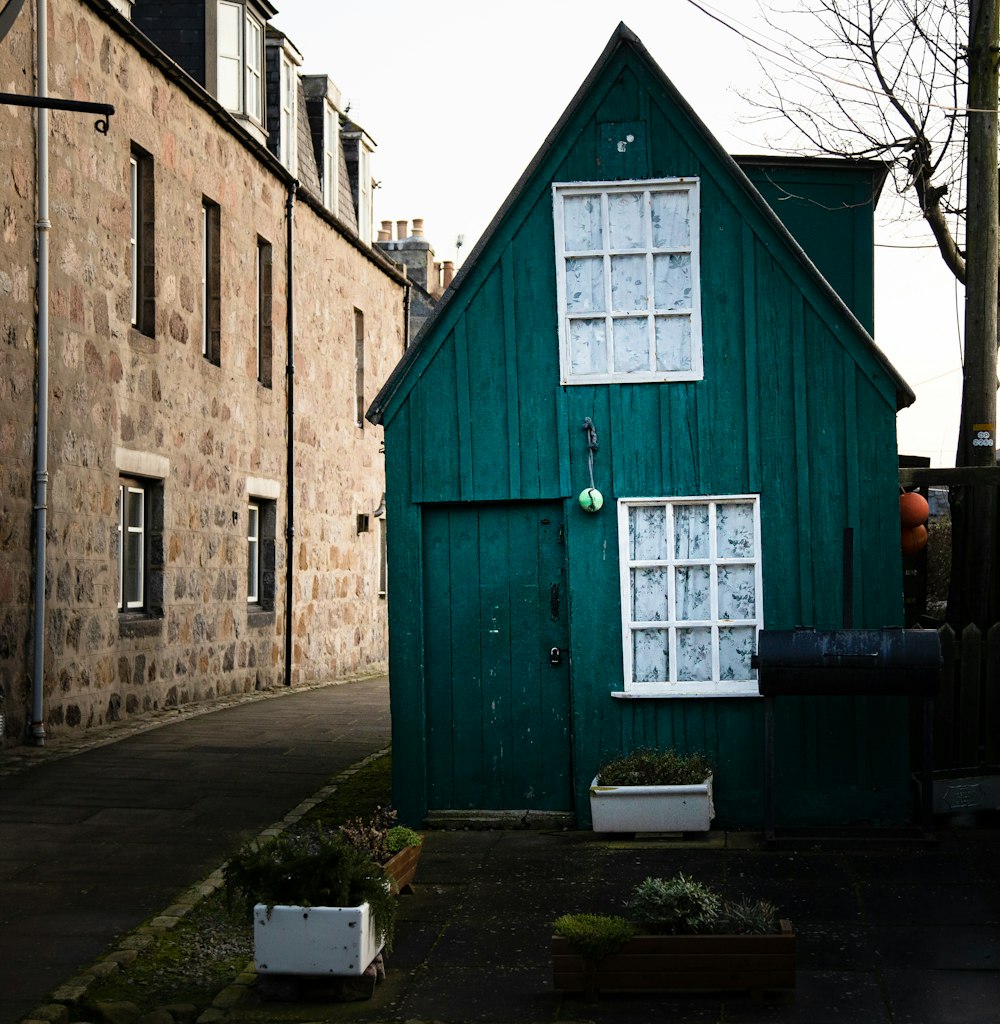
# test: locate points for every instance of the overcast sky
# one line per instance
(459, 97)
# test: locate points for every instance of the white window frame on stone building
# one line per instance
(691, 595)
(253, 552)
(140, 541)
(365, 203)
(261, 532)
(142, 241)
(211, 281)
(331, 156)
(240, 60)
(288, 111)
(628, 281)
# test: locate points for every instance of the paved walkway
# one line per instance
(93, 844)
(884, 936)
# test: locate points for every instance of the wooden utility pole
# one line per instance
(973, 508)
(979, 394)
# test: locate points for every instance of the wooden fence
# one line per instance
(967, 710)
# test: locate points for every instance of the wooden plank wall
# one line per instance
(792, 407)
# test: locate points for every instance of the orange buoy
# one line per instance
(913, 509)
(913, 539)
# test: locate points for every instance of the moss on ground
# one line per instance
(213, 943)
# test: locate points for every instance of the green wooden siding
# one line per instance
(793, 406)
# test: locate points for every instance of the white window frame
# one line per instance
(253, 97)
(248, 60)
(715, 687)
(134, 202)
(125, 488)
(365, 198)
(331, 156)
(602, 190)
(253, 553)
(289, 113)
(204, 278)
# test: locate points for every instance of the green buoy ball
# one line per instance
(591, 500)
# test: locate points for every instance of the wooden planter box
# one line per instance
(401, 868)
(681, 962)
(652, 808)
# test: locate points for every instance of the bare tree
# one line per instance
(914, 83)
(878, 79)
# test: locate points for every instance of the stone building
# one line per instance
(218, 323)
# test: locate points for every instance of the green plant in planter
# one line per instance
(594, 935)
(316, 869)
(645, 767)
(399, 837)
(682, 906)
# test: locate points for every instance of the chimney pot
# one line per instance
(447, 272)
(401, 226)
(384, 236)
(418, 227)
(387, 228)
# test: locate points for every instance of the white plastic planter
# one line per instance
(314, 940)
(652, 808)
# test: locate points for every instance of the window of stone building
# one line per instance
(287, 129)
(240, 48)
(261, 520)
(331, 156)
(142, 241)
(211, 282)
(140, 546)
(383, 558)
(359, 369)
(365, 205)
(264, 306)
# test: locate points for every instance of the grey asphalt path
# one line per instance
(93, 844)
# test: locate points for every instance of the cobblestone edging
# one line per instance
(69, 994)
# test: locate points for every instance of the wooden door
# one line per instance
(495, 606)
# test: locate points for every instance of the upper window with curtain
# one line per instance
(627, 277)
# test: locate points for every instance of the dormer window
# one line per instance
(240, 42)
(365, 190)
(331, 156)
(289, 112)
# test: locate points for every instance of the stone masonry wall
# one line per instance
(118, 397)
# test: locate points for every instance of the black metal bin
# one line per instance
(847, 663)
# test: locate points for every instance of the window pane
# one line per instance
(734, 528)
(133, 509)
(693, 594)
(585, 285)
(588, 346)
(672, 281)
(631, 345)
(582, 230)
(132, 570)
(694, 654)
(737, 598)
(735, 649)
(649, 595)
(628, 284)
(647, 532)
(255, 37)
(625, 220)
(650, 659)
(691, 531)
(673, 343)
(671, 220)
(230, 44)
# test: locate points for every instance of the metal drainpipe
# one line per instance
(42, 227)
(290, 471)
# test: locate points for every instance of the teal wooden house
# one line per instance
(637, 280)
